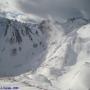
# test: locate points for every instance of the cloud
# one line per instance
(7, 4)
(55, 8)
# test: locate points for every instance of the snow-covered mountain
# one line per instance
(44, 54)
(23, 43)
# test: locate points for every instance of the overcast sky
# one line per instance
(55, 8)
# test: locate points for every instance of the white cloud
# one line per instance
(55, 8)
(8, 4)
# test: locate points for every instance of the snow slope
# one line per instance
(78, 52)
(45, 55)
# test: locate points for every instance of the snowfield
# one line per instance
(41, 54)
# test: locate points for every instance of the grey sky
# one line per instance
(56, 8)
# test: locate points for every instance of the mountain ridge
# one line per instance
(45, 55)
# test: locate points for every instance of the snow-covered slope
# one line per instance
(78, 76)
(45, 55)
